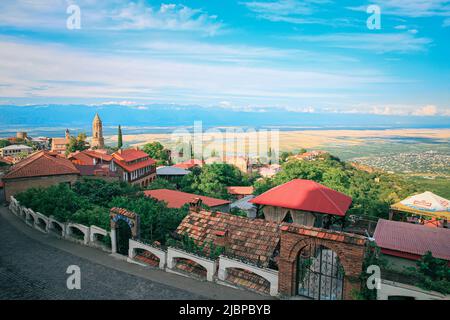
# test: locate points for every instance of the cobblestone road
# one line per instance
(32, 270)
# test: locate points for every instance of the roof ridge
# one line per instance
(329, 199)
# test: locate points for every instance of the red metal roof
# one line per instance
(240, 190)
(177, 199)
(41, 164)
(305, 195)
(414, 239)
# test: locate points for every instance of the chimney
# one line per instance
(222, 238)
(195, 205)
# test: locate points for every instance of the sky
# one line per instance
(313, 56)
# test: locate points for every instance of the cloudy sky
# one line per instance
(306, 56)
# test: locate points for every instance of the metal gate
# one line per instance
(320, 275)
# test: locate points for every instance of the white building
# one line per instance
(14, 150)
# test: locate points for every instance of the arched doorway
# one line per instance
(320, 274)
(123, 235)
(124, 226)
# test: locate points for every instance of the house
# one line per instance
(177, 199)
(270, 257)
(171, 172)
(304, 202)
(90, 157)
(97, 171)
(404, 243)
(308, 156)
(15, 150)
(268, 171)
(59, 145)
(252, 241)
(401, 245)
(239, 192)
(189, 164)
(134, 166)
(41, 169)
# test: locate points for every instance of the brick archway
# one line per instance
(348, 247)
(131, 218)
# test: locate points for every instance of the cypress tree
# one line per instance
(119, 138)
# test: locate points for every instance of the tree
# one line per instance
(4, 143)
(119, 138)
(77, 144)
(432, 273)
(160, 183)
(156, 151)
(212, 180)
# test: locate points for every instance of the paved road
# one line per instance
(33, 266)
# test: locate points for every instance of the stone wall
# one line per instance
(14, 186)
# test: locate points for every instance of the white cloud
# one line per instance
(411, 8)
(378, 43)
(290, 11)
(113, 14)
(139, 16)
(429, 110)
(34, 71)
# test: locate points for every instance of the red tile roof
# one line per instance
(97, 170)
(81, 158)
(325, 234)
(129, 155)
(135, 166)
(124, 157)
(41, 164)
(177, 199)
(305, 195)
(240, 190)
(188, 164)
(98, 155)
(254, 240)
(400, 238)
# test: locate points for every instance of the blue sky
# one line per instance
(304, 56)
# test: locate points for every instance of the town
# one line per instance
(306, 227)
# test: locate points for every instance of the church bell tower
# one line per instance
(97, 133)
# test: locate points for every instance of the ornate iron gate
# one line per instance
(320, 275)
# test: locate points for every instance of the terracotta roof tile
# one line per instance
(41, 164)
(252, 239)
(238, 190)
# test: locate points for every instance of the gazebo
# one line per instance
(424, 205)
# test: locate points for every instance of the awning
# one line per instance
(425, 204)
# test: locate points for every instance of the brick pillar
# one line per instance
(352, 284)
(286, 277)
